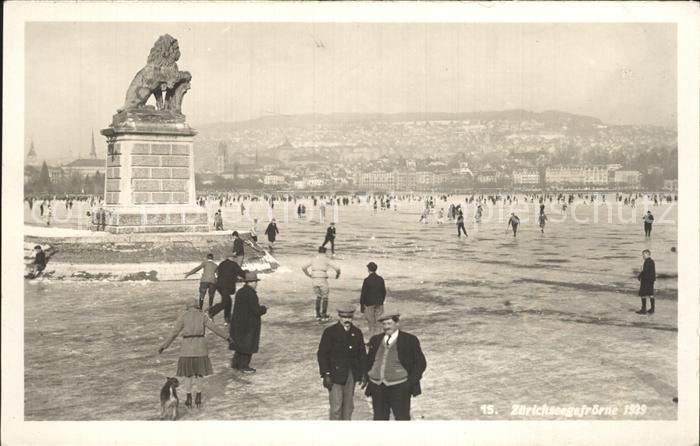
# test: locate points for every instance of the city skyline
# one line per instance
(619, 73)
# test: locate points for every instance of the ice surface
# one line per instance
(538, 319)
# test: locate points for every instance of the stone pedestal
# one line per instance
(149, 180)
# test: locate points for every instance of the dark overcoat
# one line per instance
(410, 356)
(238, 249)
(272, 232)
(226, 274)
(245, 321)
(647, 278)
(340, 351)
(373, 291)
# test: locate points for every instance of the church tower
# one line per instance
(93, 152)
(32, 159)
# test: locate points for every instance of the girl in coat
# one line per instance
(194, 360)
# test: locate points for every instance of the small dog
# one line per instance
(169, 401)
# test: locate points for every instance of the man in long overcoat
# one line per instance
(245, 324)
(646, 283)
(271, 233)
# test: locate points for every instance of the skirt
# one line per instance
(194, 365)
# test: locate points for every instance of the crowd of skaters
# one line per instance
(340, 370)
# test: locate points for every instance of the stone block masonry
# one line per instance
(175, 161)
(180, 149)
(174, 185)
(140, 172)
(145, 160)
(160, 149)
(178, 172)
(160, 174)
(113, 185)
(147, 185)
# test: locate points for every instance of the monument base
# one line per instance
(135, 219)
(149, 181)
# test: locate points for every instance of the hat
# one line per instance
(346, 309)
(192, 302)
(388, 315)
(372, 266)
(251, 276)
(332, 223)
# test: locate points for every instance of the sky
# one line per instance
(77, 73)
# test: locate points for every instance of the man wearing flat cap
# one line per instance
(341, 361)
(245, 324)
(372, 298)
(395, 366)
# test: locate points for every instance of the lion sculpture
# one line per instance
(160, 78)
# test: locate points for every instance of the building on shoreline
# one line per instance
(589, 176)
(526, 176)
(627, 177)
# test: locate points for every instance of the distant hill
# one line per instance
(550, 118)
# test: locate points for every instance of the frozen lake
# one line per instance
(538, 319)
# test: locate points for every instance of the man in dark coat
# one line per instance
(226, 274)
(330, 237)
(513, 221)
(39, 263)
(395, 366)
(646, 279)
(460, 225)
(648, 221)
(341, 361)
(245, 324)
(372, 298)
(238, 250)
(271, 233)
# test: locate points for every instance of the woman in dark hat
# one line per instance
(194, 360)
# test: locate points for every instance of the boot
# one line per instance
(188, 402)
(644, 307)
(198, 399)
(651, 310)
(324, 310)
(318, 309)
